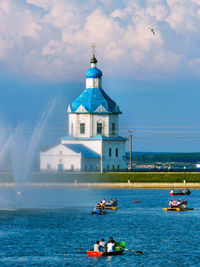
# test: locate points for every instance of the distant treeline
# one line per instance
(152, 157)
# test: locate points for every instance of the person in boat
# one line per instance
(111, 202)
(178, 203)
(184, 202)
(102, 205)
(103, 201)
(179, 191)
(103, 245)
(111, 246)
(172, 191)
(97, 246)
(183, 191)
(108, 203)
(171, 203)
(115, 202)
(111, 240)
(187, 191)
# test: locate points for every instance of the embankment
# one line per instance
(109, 180)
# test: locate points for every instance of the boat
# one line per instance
(180, 193)
(119, 249)
(110, 207)
(136, 201)
(99, 212)
(101, 254)
(177, 209)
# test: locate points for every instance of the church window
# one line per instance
(60, 160)
(91, 167)
(99, 128)
(72, 167)
(116, 152)
(85, 167)
(82, 128)
(107, 167)
(118, 167)
(96, 83)
(60, 152)
(110, 152)
(113, 128)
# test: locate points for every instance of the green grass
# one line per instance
(107, 177)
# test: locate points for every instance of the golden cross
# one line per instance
(93, 48)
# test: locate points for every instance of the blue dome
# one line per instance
(92, 98)
(93, 73)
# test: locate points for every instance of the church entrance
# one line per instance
(60, 167)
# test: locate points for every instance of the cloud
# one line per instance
(194, 64)
(51, 39)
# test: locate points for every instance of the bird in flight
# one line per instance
(152, 30)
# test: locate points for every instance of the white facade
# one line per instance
(90, 121)
(93, 132)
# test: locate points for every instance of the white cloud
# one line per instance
(194, 64)
(51, 39)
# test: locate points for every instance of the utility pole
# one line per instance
(131, 136)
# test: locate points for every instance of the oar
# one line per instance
(137, 251)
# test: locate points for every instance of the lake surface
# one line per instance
(53, 227)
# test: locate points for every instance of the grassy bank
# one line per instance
(107, 177)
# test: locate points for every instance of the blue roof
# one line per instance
(97, 137)
(85, 151)
(92, 98)
(93, 73)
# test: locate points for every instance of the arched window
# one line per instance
(110, 152)
(82, 128)
(116, 152)
(99, 128)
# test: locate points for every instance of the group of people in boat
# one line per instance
(181, 191)
(111, 202)
(100, 207)
(177, 203)
(102, 246)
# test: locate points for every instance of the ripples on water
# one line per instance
(60, 236)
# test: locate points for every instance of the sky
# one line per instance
(45, 49)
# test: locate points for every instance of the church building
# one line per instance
(93, 143)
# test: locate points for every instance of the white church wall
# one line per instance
(60, 158)
(90, 121)
(112, 161)
(113, 118)
(90, 164)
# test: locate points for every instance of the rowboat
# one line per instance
(177, 209)
(119, 249)
(101, 254)
(136, 201)
(111, 207)
(180, 194)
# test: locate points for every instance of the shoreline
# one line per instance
(128, 185)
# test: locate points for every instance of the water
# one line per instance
(60, 236)
(24, 151)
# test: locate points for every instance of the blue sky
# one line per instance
(45, 48)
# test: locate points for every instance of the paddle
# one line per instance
(137, 251)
